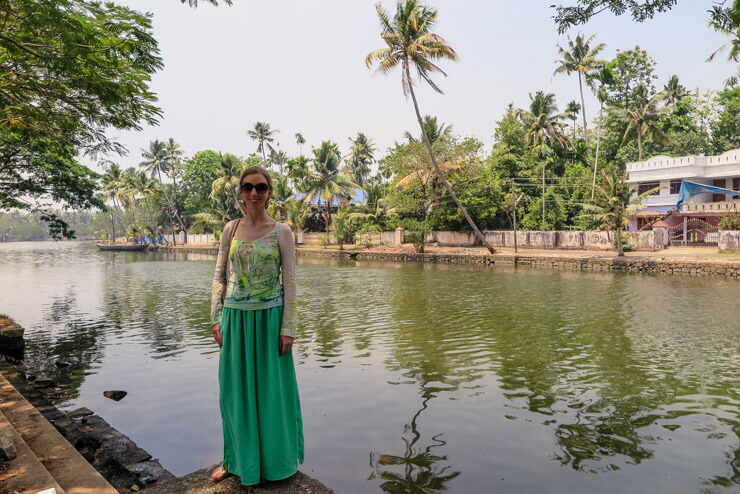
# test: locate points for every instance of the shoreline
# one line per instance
(678, 262)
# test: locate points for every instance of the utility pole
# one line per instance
(514, 203)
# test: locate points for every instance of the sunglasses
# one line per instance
(261, 188)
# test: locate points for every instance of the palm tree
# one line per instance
(433, 131)
(599, 80)
(223, 189)
(111, 183)
(544, 129)
(142, 187)
(300, 141)
(173, 155)
(326, 180)
(360, 158)
(674, 91)
(616, 206)
(642, 120)
(157, 160)
(580, 58)
(571, 111)
(262, 133)
(726, 20)
(278, 158)
(411, 42)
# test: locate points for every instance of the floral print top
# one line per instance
(255, 269)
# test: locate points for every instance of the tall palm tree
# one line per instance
(599, 80)
(642, 120)
(411, 43)
(572, 109)
(580, 58)
(142, 188)
(674, 91)
(360, 158)
(157, 161)
(726, 20)
(544, 129)
(263, 134)
(300, 140)
(326, 180)
(173, 154)
(433, 131)
(278, 158)
(111, 183)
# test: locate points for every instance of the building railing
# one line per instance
(711, 207)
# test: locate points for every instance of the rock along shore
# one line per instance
(569, 260)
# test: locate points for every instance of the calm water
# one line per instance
(413, 378)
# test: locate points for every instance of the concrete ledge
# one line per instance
(65, 464)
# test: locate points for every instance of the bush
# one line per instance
(324, 241)
(730, 222)
(626, 245)
(416, 238)
(217, 235)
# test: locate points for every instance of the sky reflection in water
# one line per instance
(413, 378)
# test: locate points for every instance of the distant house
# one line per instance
(709, 192)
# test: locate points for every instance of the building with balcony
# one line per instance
(696, 219)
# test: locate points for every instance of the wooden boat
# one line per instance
(123, 247)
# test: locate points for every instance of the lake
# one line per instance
(413, 378)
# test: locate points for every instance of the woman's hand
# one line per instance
(216, 330)
(285, 344)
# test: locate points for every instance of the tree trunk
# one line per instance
(618, 227)
(639, 145)
(441, 176)
(596, 159)
(544, 164)
(583, 108)
(113, 224)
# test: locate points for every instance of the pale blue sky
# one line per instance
(299, 65)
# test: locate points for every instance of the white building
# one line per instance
(697, 220)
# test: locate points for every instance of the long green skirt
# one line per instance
(260, 408)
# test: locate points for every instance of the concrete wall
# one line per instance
(567, 240)
(315, 238)
(729, 240)
(200, 238)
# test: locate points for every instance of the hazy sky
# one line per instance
(299, 65)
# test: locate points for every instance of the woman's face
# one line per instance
(254, 191)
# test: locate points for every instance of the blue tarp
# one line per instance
(689, 189)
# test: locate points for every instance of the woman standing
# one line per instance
(253, 314)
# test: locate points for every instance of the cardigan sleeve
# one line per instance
(218, 284)
(287, 257)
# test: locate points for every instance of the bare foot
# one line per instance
(219, 474)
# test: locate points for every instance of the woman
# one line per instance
(253, 319)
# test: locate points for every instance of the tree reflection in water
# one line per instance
(418, 469)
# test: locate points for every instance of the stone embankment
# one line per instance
(594, 262)
(654, 262)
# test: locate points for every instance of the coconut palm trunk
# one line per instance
(583, 108)
(441, 176)
(596, 159)
(173, 211)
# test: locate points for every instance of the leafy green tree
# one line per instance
(643, 119)
(616, 205)
(199, 172)
(599, 80)
(411, 42)
(300, 140)
(158, 160)
(631, 69)
(111, 182)
(263, 134)
(580, 58)
(326, 180)
(726, 20)
(507, 157)
(583, 10)
(433, 130)
(360, 158)
(572, 109)
(726, 129)
(555, 214)
(71, 70)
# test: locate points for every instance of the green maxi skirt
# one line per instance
(260, 408)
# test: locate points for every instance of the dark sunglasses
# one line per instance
(261, 188)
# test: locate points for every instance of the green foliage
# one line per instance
(726, 129)
(582, 10)
(730, 222)
(626, 245)
(217, 235)
(199, 172)
(324, 240)
(555, 215)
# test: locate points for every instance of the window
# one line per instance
(643, 187)
(675, 186)
(720, 182)
(736, 184)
